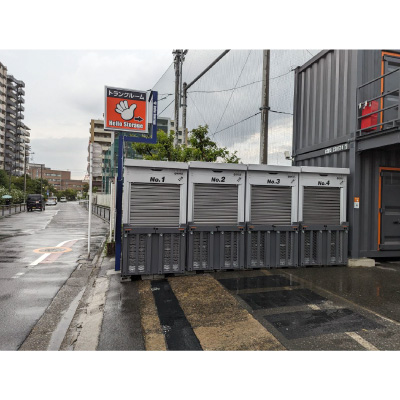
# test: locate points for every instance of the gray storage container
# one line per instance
(322, 214)
(271, 216)
(216, 197)
(154, 217)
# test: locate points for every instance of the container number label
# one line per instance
(214, 179)
(322, 183)
(157, 180)
(274, 181)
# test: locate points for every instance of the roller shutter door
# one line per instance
(271, 205)
(154, 205)
(321, 205)
(215, 204)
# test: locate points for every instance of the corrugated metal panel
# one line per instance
(215, 204)
(154, 204)
(325, 100)
(321, 205)
(271, 205)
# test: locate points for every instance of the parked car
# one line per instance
(51, 201)
(35, 202)
(63, 200)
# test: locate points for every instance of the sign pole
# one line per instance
(90, 194)
(119, 203)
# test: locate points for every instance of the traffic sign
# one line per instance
(125, 110)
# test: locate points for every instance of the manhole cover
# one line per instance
(53, 250)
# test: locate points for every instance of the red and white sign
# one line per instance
(125, 110)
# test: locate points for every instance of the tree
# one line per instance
(200, 148)
(4, 178)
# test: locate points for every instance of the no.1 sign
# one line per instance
(125, 110)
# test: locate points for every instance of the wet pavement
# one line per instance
(30, 280)
(328, 308)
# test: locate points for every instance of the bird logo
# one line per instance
(127, 113)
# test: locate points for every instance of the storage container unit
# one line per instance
(322, 212)
(216, 221)
(346, 115)
(154, 217)
(272, 216)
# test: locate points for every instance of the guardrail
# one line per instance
(384, 101)
(12, 209)
(100, 211)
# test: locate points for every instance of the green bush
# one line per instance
(17, 195)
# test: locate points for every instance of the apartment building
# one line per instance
(104, 139)
(14, 134)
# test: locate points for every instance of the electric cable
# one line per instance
(232, 92)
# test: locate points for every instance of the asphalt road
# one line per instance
(29, 279)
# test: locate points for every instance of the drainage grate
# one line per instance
(300, 324)
(256, 282)
(281, 298)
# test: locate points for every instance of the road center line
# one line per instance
(40, 259)
(364, 343)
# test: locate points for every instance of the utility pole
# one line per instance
(177, 66)
(264, 109)
(187, 86)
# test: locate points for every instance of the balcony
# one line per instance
(11, 118)
(11, 94)
(21, 91)
(21, 100)
(10, 136)
(20, 108)
(10, 78)
(11, 103)
(10, 127)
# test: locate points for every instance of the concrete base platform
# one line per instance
(361, 262)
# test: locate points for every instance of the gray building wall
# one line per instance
(325, 134)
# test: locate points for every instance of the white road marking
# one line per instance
(40, 259)
(388, 269)
(364, 343)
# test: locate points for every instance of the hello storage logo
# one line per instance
(125, 110)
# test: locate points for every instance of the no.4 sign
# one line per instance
(125, 110)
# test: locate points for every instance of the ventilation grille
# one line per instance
(321, 205)
(154, 205)
(310, 247)
(271, 205)
(201, 244)
(171, 253)
(258, 240)
(215, 204)
(137, 253)
(231, 249)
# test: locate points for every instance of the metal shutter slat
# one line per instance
(321, 205)
(154, 204)
(271, 205)
(215, 204)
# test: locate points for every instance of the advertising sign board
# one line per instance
(125, 110)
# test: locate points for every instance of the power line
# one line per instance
(237, 123)
(166, 107)
(232, 92)
(162, 76)
(239, 87)
(201, 115)
(251, 116)
(309, 52)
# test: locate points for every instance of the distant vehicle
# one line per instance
(35, 202)
(51, 201)
(63, 200)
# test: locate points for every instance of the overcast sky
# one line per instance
(65, 90)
